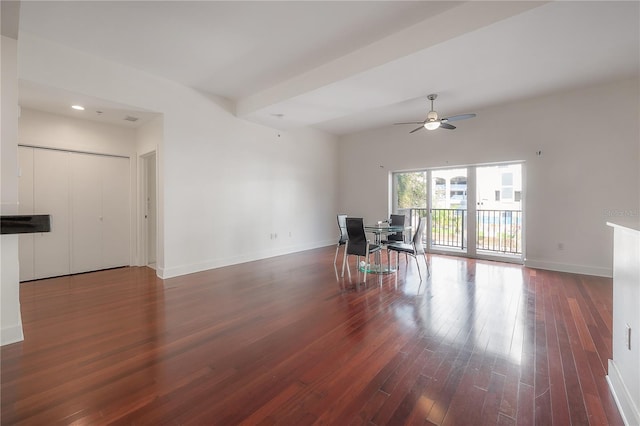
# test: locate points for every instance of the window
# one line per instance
(507, 186)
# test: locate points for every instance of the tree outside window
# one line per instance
(411, 190)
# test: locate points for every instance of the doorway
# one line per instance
(149, 210)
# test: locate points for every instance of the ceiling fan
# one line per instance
(432, 121)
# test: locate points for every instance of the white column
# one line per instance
(10, 319)
(624, 369)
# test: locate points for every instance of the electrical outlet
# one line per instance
(560, 246)
(628, 337)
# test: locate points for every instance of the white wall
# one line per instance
(225, 185)
(46, 130)
(588, 167)
(149, 136)
(239, 187)
(10, 319)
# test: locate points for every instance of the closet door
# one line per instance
(86, 212)
(115, 212)
(51, 196)
(25, 206)
(100, 212)
(88, 198)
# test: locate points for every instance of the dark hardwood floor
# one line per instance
(285, 341)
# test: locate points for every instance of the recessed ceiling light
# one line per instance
(78, 107)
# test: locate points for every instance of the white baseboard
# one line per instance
(12, 334)
(177, 271)
(628, 409)
(566, 267)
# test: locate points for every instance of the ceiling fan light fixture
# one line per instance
(431, 125)
(433, 122)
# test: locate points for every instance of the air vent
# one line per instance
(131, 118)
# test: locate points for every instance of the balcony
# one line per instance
(497, 231)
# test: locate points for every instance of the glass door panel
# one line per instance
(449, 208)
(499, 210)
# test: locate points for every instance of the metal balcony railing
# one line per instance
(447, 227)
(497, 231)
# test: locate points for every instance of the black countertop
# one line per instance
(25, 223)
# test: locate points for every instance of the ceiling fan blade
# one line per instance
(459, 117)
(412, 122)
(445, 125)
(415, 130)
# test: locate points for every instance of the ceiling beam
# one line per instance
(450, 23)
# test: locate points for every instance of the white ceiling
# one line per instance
(346, 66)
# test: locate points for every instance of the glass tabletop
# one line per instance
(385, 228)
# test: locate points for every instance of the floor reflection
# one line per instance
(465, 301)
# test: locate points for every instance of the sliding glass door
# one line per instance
(499, 210)
(474, 210)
